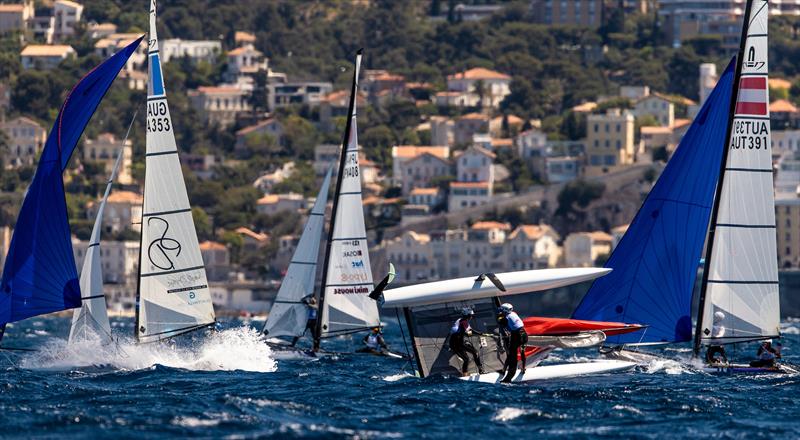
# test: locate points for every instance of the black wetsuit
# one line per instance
(764, 362)
(517, 342)
(461, 346)
(712, 353)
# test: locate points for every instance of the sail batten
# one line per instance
(741, 299)
(289, 313)
(173, 293)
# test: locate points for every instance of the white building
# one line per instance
(297, 93)
(105, 149)
(67, 14)
(475, 165)
(563, 169)
(467, 194)
(582, 249)
(442, 131)
(119, 259)
(404, 153)
(430, 197)
(111, 44)
(123, 212)
(45, 57)
(272, 204)
(220, 105)
(196, 50)
(487, 86)
(532, 247)
(658, 106)
(26, 139)
(531, 144)
(421, 170)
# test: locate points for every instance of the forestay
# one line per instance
(743, 268)
(346, 306)
(289, 313)
(90, 322)
(173, 295)
(39, 275)
(655, 264)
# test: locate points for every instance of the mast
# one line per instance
(723, 164)
(339, 179)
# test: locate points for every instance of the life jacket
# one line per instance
(514, 322)
(372, 341)
(461, 326)
(766, 355)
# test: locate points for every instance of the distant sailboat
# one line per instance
(90, 322)
(289, 314)
(740, 296)
(344, 300)
(39, 275)
(173, 295)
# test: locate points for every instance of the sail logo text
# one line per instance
(751, 135)
(358, 263)
(157, 117)
(356, 253)
(350, 290)
(161, 250)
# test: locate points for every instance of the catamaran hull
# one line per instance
(474, 288)
(747, 369)
(559, 371)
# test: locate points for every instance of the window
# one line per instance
(619, 145)
(596, 128)
(608, 128)
(619, 128)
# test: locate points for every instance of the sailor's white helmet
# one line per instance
(719, 316)
(506, 308)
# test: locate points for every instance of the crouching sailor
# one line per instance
(766, 355)
(373, 342)
(460, 345)
(517, 340)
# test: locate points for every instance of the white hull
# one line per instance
(559, 371)
(469, 288)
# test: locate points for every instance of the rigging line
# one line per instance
(402, 333)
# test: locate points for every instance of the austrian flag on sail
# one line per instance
(752, 96)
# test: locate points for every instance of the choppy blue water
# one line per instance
(204, 390)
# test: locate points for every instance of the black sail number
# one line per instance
(158, 117)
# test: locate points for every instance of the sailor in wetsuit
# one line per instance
(517, 340)
(766, 355)
(311, 322)
(460, 345)
(373, 342)
(716, 353)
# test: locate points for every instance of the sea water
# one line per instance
(227, 385)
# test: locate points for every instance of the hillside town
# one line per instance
(460, 175)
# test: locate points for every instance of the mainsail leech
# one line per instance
(91, 320)
(289, 314)
(39, 275)
(173, 295)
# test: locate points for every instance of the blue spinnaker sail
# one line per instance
(39, 275)
(655, 263)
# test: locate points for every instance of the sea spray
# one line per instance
(240, 348)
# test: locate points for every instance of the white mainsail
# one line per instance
(743, 268)
(289, 314)
(346, 306)
(173, 296)
(90, 322)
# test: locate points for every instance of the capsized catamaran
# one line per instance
(289, 314)
(173, 297)
(739, 298)
(655, 263)
(39, 275)
(345, 306)
(431, 308)
(90, 321)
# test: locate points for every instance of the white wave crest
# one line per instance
(240, 348)
(667, 366)
(510, 413)
(397, 377)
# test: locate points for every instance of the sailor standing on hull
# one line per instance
(311, 323)
(459, 343)
(517, 340)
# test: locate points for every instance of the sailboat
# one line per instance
(655, 264)
(344, 300)
(173, 297)
(431, 308)
(739, 297)
(39, 275)
(289, 314)
(90, 322)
